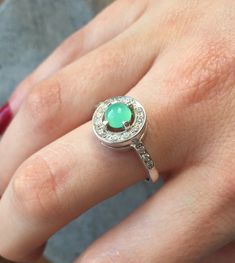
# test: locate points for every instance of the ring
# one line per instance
(121, 123)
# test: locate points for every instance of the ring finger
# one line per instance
(66, 100)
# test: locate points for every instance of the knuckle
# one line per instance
(74, 45)
(44, 104)
(110, 58)
(34, 189)
(206, 73)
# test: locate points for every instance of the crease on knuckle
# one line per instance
(108, 58)
(74, 45)
(35, 189)
(44, 104)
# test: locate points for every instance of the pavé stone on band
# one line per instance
(121, 123)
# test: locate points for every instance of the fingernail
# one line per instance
(6, 116)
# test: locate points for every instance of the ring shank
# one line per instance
(152, 173)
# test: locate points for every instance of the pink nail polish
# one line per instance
(6, 116)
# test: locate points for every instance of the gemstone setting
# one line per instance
(118, 121)
(117, 114)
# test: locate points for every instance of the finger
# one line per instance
(100, 30)
(67, 100)
(189, 218)
(56, 185)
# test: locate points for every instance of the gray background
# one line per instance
(29, 31)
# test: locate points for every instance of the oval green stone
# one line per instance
(116, 114)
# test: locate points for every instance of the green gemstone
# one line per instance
(117, 114)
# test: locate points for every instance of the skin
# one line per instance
(177, 58)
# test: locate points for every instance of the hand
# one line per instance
(178, 59)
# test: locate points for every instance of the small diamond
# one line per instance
(126, 100)
(136, 128)
(99, 115)
(146, 157)
(97, 122)
(139, 145)
(140, 120)
(150, 164)
(100, 125)
(100, 131)
(125, 135)
(141, 150)
(109, 137)
(133, 133)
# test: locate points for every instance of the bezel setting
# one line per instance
(120, 138)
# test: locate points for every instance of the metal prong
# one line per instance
(130, 105)
(126, 125)
(105, 123)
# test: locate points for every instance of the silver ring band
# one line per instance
(152, 173)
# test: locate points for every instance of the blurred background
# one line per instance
(29, 31)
